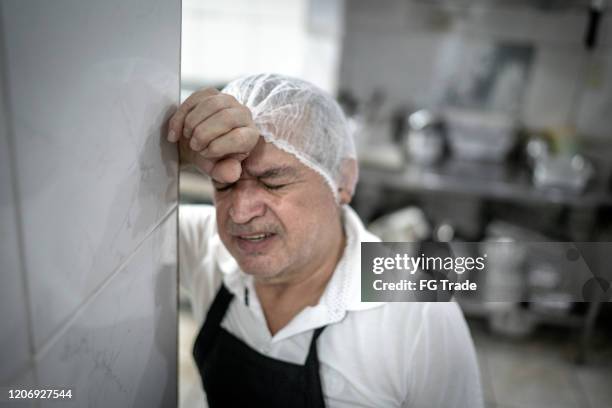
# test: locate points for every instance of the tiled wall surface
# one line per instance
(395, 45)
(89, 199)
(293, 37)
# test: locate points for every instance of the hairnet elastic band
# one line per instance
(283, 145)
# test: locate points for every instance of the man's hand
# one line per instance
(215, 133)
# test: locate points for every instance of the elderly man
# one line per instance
(275, 281)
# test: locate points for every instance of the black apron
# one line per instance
(235, 375)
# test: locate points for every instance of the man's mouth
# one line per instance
(255, 242)
(255, 237)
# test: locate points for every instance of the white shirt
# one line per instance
(371, 354)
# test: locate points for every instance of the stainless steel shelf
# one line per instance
(493, 181)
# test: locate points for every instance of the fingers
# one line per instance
(205, 109)
(239, 140)
(205, 165)
(225, 123)
(227, 170)
(176, 122)
(216, 133)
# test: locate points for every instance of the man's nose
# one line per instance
(246, 204)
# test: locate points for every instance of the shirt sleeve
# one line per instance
(443, 367)
(196, 228)
(198, 256)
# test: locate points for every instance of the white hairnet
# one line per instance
(300, 119)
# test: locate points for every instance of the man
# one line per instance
(275, 281)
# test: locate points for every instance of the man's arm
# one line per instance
(196, 230)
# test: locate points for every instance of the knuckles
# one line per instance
(223, 116)
(212, 150)
(230, 115)
(198, 134)
(247, 138)
(252, 136)
(190, 123)
(214, 103)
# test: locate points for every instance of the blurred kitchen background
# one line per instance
(475, 120)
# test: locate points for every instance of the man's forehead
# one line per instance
(266, 157)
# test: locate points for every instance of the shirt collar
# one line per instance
(343, 292)
(344, 288)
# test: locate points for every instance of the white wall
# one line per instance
(89, 199)
(396, 45)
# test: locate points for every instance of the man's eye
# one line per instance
(273, 186)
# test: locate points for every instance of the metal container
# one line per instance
(475, 135)
(424, 142)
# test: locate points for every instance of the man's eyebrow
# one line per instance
(276, 172)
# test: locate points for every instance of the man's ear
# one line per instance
(349, 173)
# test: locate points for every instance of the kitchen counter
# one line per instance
(487, 180)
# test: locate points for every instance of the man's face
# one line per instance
(279, 217)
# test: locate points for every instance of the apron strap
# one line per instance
(315, 392)
(212, 323)
(312, 351)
